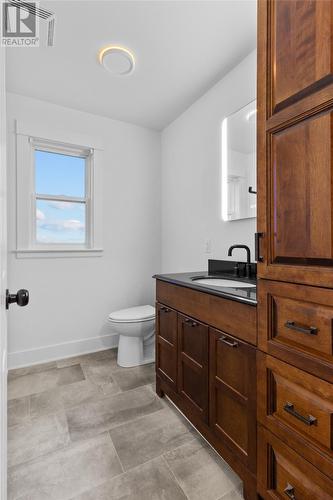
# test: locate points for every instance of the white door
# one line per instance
(3, 283)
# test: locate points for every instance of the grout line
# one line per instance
(173, 474)
(116, 452)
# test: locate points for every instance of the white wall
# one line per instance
(191, 177)
(71, 297)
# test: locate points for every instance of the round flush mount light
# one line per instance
(117, 60)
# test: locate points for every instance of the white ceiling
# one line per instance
(182, 48)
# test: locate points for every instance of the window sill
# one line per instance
(51, 253)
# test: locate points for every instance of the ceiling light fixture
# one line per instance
(117, 60)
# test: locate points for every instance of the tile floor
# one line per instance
(85, 429)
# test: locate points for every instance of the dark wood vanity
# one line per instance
(206, 364)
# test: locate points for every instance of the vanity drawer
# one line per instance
(282, 473)
(295, 324)
(298, 407)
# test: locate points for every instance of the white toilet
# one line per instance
(136, 329)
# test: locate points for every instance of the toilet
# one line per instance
(136, 329)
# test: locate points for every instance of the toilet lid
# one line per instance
(133, 314)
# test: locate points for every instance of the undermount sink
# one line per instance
(220, 282)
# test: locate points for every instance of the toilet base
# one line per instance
(134, 351)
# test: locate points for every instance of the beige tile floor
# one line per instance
(85, 429)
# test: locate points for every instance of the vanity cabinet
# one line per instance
(210, 373)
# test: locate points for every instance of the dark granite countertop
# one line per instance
(245, 295)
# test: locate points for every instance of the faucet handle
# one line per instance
(236, 269)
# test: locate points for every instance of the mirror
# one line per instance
(239, 200)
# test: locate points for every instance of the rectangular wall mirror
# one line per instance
(239, 164)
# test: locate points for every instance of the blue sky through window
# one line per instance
(59, 221)
(59, 174)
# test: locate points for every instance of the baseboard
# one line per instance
(20, 359)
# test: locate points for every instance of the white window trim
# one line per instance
(25, 237)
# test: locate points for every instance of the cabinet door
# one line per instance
(301, 50)
(166, 345)
(295, 130)
(193, 364)
(232, 380)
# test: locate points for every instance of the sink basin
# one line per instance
(220, 282)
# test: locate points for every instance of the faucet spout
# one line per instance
(248, 257)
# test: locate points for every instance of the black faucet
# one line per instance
(248, 255)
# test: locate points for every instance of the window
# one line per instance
(58, 198)
(62, 196)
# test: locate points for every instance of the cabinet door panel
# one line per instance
(193, 364)
(302, 193)
(301, 49)
(166, 344)
(232, 382)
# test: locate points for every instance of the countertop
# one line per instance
(245, 295)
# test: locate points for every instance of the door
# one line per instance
(232, 382)
(166, 345)
(3, 285)
(295, 135)
(193, 364)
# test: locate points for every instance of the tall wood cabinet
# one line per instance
(295, 249)
(295, 132)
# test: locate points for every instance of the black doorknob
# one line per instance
(21, 298)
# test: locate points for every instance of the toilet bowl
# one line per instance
(136, 329)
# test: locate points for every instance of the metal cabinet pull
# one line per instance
(193, 323)
(258, 257)
(311, 330)
(290, 491)
(309, 420)
(230, 343)
(165, 309)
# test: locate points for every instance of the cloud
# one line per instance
(40, 215)
(60, 205)
(73, 224)
(65, 225)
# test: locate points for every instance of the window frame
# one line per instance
(87, 154)
(27, 245)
